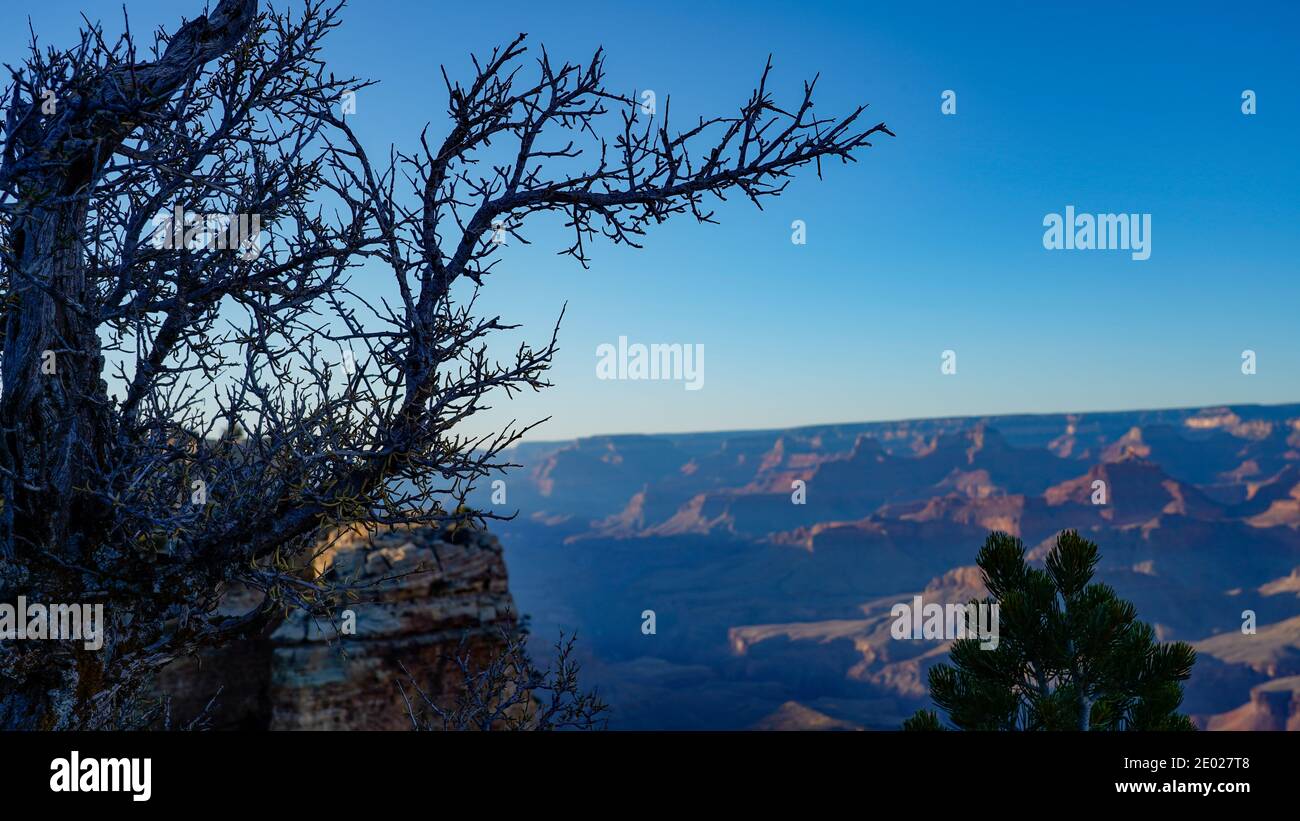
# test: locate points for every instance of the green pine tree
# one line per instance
(1071, 655)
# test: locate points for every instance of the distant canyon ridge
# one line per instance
(774, 614)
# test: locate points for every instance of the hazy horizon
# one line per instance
(959, 416)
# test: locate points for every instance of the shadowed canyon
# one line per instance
(771, 559)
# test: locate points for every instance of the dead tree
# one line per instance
(130, 345)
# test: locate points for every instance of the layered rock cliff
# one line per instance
(425, 600)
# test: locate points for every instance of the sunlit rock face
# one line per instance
(424, 600)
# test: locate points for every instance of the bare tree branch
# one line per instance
(194, 395)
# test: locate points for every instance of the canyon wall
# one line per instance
(424, 601)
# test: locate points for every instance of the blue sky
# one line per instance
(933, 241)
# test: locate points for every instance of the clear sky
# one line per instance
(933, 241)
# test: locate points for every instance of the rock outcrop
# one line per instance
(1274, 705)
(424, 601)
(794, 716)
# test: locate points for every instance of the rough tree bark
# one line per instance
(58, 437)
